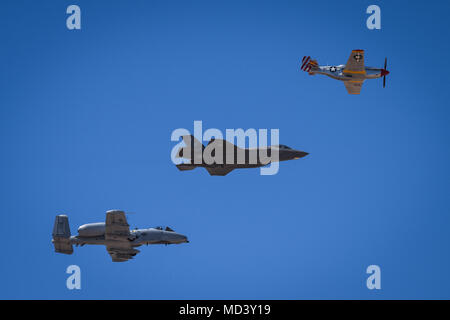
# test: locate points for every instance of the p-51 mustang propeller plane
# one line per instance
(120, 241)
(352, 74)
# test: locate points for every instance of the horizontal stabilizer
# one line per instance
(61, 227)
(62, 246)
(61, 235)
(309, 65)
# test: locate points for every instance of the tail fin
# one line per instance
(61, 235)
(309, 65)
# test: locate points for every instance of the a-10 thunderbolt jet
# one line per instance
(120, 241)
(225, 156)
(353, 74)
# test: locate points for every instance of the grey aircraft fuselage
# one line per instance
(284, 154)
(231, 157)
(114, 234)
(137, 237)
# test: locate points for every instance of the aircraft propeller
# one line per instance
(384, 72)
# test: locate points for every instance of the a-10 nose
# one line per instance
(184, 238)
(179, 238)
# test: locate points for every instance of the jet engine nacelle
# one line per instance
(92, 229)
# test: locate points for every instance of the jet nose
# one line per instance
(384, 72)
(300, 154)
(182, 238)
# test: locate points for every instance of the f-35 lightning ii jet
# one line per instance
(120, 241)
(220, 157)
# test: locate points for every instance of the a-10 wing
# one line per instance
(119, 254)
(117, 234)
(116, 226)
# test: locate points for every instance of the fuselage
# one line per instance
(252, 157)
(94, 233)
(338, 73)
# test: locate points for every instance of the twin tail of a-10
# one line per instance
(353, 74)
(114, 233)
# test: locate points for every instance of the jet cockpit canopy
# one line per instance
(282, 146)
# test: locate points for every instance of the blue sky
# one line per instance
(85, 124)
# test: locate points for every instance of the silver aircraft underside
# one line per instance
(120, 241)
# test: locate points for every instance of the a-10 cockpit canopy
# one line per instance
(166, 229)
